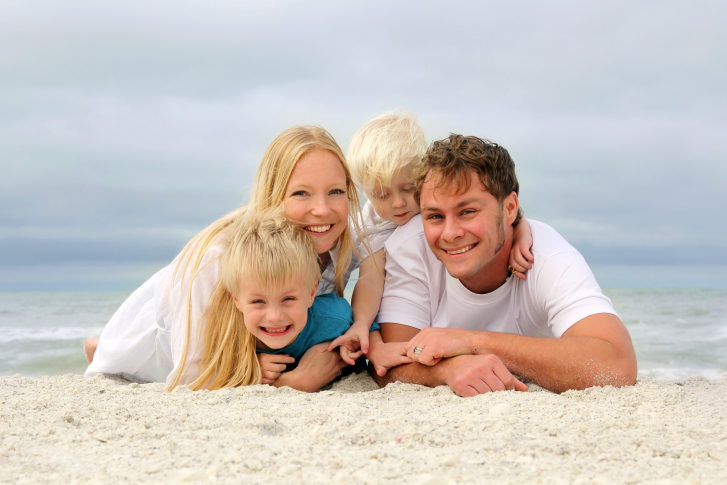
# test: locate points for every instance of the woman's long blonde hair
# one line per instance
(268, 192)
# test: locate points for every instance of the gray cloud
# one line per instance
(127, 127)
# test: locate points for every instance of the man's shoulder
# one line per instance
(547, 241)
(412, 230)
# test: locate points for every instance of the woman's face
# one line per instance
(317, 196)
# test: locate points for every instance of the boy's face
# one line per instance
(395, 202)
(275, 316)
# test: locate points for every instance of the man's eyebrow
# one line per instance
(465, 202)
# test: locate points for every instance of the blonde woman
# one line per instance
(157, 335)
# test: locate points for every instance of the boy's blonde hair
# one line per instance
(268, 192)
(384, 146)
(265, 249)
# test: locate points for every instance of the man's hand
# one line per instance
(272, 365)
(439, 343)
(352, 344)
(315, 369)
(470, 375)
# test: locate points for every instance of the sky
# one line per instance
(128, 126)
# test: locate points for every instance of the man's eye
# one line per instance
(434, 216)
(467, 212)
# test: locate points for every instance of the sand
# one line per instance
(68, 429)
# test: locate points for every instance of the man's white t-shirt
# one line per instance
(559, 291)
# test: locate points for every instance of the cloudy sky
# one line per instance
(126, 127)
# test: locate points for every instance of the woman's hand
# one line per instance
(272, 365)
(315, 369)
(352, 344)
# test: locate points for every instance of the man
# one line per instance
(469, 324)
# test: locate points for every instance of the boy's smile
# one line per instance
(275, 316)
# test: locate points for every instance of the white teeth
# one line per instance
(319, 228)
(460, 251)
(275, 330)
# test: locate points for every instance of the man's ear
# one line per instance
(510, 206)
(313, 294)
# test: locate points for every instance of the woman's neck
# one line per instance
(323, 260)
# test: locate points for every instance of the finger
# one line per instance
(364, 342)
(337, 342)
(346, 357)
(480, 385)
(522, 262)
(529, 256)
(403, 359)
(520, 386)
(466, 391)
(278, 358)
(355, 355)
(380, 370)
(504, 376)
(266, 381)
(522, 276)
(270, 375)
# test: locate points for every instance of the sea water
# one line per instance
(677, 333)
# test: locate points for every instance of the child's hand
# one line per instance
(521, 258)
(352, 344)
(385, 356)
(272, 365)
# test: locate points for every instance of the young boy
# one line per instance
(382, 158)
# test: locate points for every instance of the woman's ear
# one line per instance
(313, 294)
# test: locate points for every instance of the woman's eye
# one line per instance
(337, 191)
(298, 192)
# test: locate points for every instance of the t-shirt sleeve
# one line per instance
(567, 291)
(406, 298)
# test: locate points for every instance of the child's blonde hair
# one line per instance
(265, 249)
(268, 192)
(383, 146)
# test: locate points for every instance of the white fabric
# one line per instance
(376, 229)
(559, 291)
(144, 340)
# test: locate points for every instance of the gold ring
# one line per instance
(512, 270)
(418, 350)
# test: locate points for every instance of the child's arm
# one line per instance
(272, 365)
(365, 303)
(521, 258)
(384, 356)
(315, 369)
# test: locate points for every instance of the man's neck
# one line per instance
(492, 276)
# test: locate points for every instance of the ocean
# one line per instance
(677, 333)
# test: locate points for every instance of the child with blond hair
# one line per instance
(382, 158)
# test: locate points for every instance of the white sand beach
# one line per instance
(69, 429)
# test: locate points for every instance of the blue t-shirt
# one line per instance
(328, 318)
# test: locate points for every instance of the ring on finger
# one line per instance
(417, 350)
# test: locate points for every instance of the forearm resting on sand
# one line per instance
(596, 351)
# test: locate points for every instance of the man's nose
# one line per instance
(452, 231)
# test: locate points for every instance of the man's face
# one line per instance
(467, 231)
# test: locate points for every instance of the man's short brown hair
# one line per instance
(453, 158)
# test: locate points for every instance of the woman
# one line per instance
(156, 335)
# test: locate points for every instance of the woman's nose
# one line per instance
(320, 208)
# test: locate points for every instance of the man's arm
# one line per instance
(467, 375)
(596, 351)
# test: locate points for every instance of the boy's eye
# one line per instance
(257, 301)
(289, 298)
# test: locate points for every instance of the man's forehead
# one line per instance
(435, 187)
